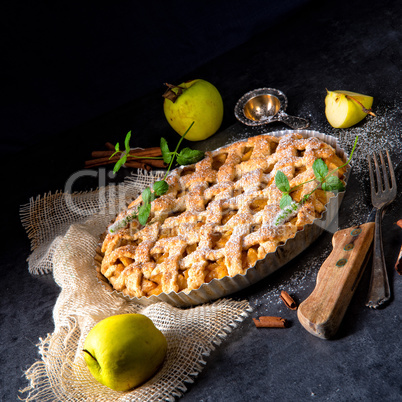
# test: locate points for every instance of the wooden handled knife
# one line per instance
(322, 312)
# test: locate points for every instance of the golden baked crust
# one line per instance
(217, 217)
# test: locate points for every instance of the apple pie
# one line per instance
(218, 217)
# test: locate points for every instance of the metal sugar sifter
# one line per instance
(266, 105)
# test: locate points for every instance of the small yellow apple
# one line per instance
(344, 109)
(124, 350)
(195, 101)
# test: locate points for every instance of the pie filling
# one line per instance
(217, 218)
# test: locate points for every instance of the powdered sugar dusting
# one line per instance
(297, 284)
(377, 133)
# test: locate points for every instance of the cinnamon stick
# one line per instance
(100, 161)
(110, 146)
(137, 165)
(270, 322)
(158, 163)
(138, 158)
(101, 154)
(151, 162)
(146, 152)
(288, 300)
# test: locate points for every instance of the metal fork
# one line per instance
(379, 291)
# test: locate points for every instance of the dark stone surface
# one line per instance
(348, 45)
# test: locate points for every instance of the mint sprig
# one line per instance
(124, 154)
(282, 183)
(326, 180)
(186, 156)
(160, 187)
(166, 154)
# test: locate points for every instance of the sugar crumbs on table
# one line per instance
(375, 134)
(305, 274)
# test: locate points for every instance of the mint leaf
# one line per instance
(160, 187)
(333, 183)
(119, 163)
(143, 213)
(166, 154)
(127, 142)
(286, 200)
(282, 182)
(320, 169)
(146, 196)
(188, 156)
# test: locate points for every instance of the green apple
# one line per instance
(123, 351)
(345, 109)
(195, 101)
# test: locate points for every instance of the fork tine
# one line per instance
(378, 174)
(391, 171)
(384, 171)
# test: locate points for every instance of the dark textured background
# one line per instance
(67, 62)
(76, 76)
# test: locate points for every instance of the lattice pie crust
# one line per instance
(217, 217)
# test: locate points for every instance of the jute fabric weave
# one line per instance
(64, 230)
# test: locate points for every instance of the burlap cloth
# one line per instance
(64, 230)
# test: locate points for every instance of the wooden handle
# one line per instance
(322, 312)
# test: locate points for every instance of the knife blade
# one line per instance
(337, 279)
